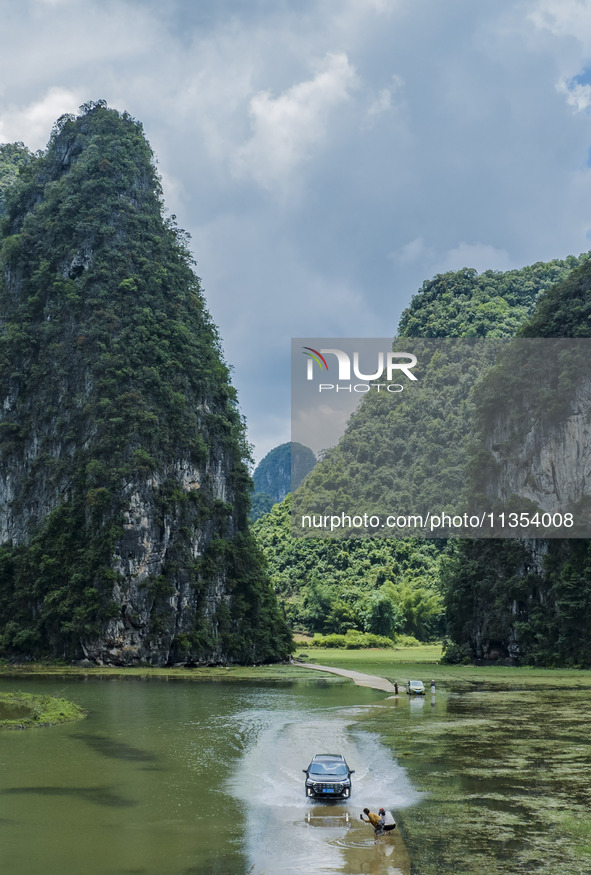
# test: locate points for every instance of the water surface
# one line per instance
(181, 778)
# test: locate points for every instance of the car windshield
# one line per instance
(333, 769)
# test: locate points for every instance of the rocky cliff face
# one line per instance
(538, 432)
(283, 469)
(530, 598)
(123, 487)
(549, 466)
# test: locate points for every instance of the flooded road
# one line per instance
(182, 778)
(289, 833)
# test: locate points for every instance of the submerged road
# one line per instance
(358, 677)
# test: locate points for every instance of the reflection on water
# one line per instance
(8, 711)
(94, 795)
(416, 704)
(118, 750)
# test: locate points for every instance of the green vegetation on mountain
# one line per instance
(260, 504)
(325, 583)
(565, 308)
(125, 499)
(372, 585)
(13, 158)
(465, 303)
(403, 455)
(529, 599)
(406, 454)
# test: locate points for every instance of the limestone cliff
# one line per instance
(530, 598)
(535, 424)
(123, 485)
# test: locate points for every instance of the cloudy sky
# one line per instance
(327, 156)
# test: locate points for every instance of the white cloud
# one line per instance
(32, 124)
(569, 22)
(381, 6)
(409, 252)
(563, 17)
(480, 256)
(287, 128)
(577, 95)
(381, 103)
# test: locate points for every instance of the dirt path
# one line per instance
(362, 680)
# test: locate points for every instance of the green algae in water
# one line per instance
(506, 777)
(23, 710)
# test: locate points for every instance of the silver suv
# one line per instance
(328, 777)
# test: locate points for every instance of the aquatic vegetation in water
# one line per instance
(22, 710)
(506, 778)
(97, 795)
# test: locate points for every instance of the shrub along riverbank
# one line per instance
(397, 663)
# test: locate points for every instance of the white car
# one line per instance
(415, 688)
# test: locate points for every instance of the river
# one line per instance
(196, 778)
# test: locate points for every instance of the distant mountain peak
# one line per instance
(282, 470)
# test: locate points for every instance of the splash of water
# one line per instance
(289, 833)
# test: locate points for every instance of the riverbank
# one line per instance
(259, 673)
(394, 664)
(422, 663)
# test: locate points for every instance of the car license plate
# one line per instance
(328, 790)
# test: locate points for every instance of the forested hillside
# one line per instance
(407, 454)
(529, 599)
(13, 158)
(324, 584)
(372, 585)
(124, 491)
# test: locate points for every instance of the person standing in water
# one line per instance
(376, 821)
